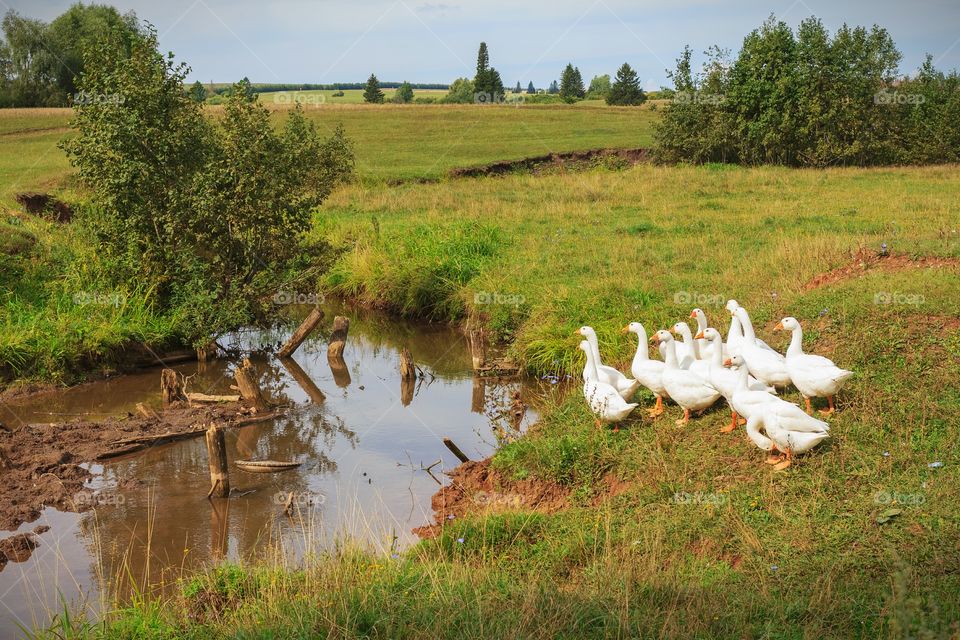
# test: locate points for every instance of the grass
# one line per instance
(702, 540)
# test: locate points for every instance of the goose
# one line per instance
(604, 401)
(685, 387)
(765, 364)
(624, 386)
(687, 351)
(705, 346)
(735, 334)
(723, 379)
(779, 438)
(815, 376)
(648, 372)
(747, 402)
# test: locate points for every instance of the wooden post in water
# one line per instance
(246, 379)
(308, 325)
(461, 456)
(341, 324)
(171, 386)
(478, 349)
(217, 460)
(408, 369)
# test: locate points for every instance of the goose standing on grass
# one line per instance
(725, 380)
(685, 387)
(688, 354)
(764, 363)
(746, 402)
(736, 333)
(781, 439)
(624, 385)
(814, 376)
(705, 346)
(603, 400)
(648, 372)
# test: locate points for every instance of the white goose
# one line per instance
(815, 376)
(764, 363)
(735, 334)
(624, 385)
(648, 372)
(603, 399)
(723, 379)
(687, 353)
(779, 438)
(747, 402)
(706, 347)
(685, 387)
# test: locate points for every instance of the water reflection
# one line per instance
(363, 438)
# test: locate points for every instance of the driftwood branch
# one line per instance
(307, 326)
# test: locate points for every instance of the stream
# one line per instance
(363, 452)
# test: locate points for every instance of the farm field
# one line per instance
(656, 529)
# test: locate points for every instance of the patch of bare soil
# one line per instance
(567, 160)
(40, 464)
(17, 548)
(477, 488)
(46, 205)
(866, 261)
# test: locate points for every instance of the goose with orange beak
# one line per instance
(603, 400)
(624, 385)
(685, 387)
(814, 376)
(648, 372)
(725, 380)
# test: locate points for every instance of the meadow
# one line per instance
(665, 530)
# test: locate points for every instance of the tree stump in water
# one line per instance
(217, 459)
(309, 324)
(246, 378)
(171, 386)
(338, 338)
(408, 369)
(478, 348)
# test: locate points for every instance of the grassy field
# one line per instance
(700, 538)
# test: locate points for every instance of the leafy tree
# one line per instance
(404, 94)
(460, 92)
(626, 89)
(571, 84)
(599, 87)
(197, 93)
(530, 88)
(208, 215)
(372, 92)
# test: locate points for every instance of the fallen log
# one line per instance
(308, 325)
(147, 412)
(203, 397)
(461, 456)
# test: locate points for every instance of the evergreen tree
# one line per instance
(483, 61)
(518, 89)
(530, 88)
(197, 92)
(372, 92)
(404, 93)
(554, 89)
(626, 90)
(487, 84)
(571, 84)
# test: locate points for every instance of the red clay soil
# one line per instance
(867, 261)
(40, 464)
(478, 488)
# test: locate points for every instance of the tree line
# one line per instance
(810, 98)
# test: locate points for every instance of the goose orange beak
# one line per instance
(699, 336)
(626, 329)
(655, 338)
(779, 327)
(727, 362)
(693, 314)
(577, 332)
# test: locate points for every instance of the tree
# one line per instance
(530, 88)
(404, 94)
(460, 92)
(483, 61)
(372, 92)
(207, 214)
(599, 87)
(571, 84)
(626, 89)
(197, 93)
(487, 84)
(554, 89)
(518, 89)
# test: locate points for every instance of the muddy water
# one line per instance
(362, 438)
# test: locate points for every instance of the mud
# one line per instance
(477, 488)
(866, 261)
(567, 160)
(17, 548)
(46, 205)
(45, 464)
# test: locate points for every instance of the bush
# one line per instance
(424, 100)
(461, 92)
(809, 99)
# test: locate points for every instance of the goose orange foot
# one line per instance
(786, 463)
(685, 419)
(774, 457)
(830, 410)
(657, 409)
(733, 423)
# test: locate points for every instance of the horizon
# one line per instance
(223, 42)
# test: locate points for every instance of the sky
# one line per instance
(330, 41)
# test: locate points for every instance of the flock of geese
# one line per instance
(698, 370)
